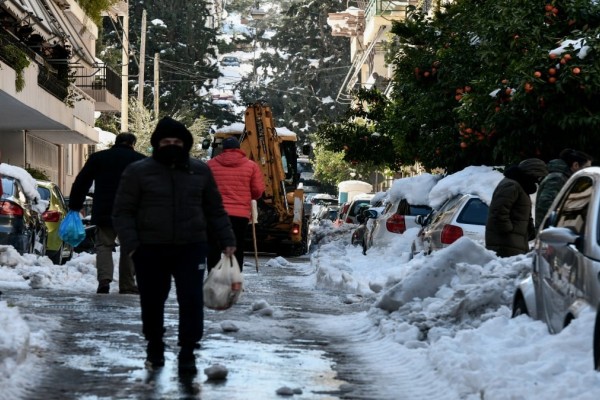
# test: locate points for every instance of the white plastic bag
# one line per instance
(223, 285)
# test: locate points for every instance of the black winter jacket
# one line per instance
(510, 226)
(104, 168)
(157, 204)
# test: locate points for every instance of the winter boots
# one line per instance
(103, 286)
(186, 360)
(155, 354)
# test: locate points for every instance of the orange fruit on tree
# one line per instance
(552, 71)
(537, 74)
(463, 145)
(552, 80)
(576, 71)
(548, 7)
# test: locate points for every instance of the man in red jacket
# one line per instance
(239, 181)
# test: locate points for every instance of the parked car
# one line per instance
(461, 215)
(566, 259)
(396, 217)
(21, 223)
(351, 213)
(327, 212)
(321, 200)
(58, 251)
(230, 61)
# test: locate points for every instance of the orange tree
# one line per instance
(488, 82)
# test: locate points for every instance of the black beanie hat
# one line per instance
(167, 127)
(231, 143)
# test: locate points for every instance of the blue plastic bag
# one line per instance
(71, 229)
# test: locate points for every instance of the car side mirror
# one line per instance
(419, 220)
(205, 144)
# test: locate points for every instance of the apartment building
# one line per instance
(368, 26)
(51, 84)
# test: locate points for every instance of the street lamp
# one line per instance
(257, 14)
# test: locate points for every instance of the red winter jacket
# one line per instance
(239, 181)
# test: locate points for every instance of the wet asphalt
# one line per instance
(97, 352)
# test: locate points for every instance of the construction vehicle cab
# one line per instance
(282, 226)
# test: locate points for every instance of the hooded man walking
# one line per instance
(104, 169)
(240, 181)
(163, 207)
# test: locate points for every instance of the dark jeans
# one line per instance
(240, 226)
(154, 266)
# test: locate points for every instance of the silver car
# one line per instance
(565, 278)
(461, 215)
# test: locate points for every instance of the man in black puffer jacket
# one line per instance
(163, 207)
(509, 226)
(104, 169)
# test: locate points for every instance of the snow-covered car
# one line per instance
(358, 202)
(564, 281)
(230, 61)
(461, 215)
(320, 201)
(21, 222)
(396, 217)
(406, 199)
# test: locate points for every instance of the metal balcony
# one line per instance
(102, 84)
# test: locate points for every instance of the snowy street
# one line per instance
(97, 350)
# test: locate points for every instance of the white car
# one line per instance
(359, 201)
(396, 217)
(461, 215)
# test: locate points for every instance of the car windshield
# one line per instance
(420, 210)
(357, 205)
(7, 186)
(44, 193)
(475, 212)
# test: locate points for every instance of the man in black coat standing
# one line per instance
(104, 169)
(163, 207)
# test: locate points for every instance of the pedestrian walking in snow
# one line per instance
(568, 162)
(162, 209)
(509, 226)
(240, 181)
(104, 170)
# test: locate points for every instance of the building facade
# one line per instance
(51, 85)
(368, 26)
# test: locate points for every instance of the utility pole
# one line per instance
(142, 60)
(125, 72)
(156, 80)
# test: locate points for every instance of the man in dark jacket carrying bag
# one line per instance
(104, 169)
(161, 212)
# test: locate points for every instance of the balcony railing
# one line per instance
(100, 77)
(387, 7)
(47, 74)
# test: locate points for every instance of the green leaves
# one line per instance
(492, 94)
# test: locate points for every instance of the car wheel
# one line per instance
(597, 342)
(57, 258)
(519, 307)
